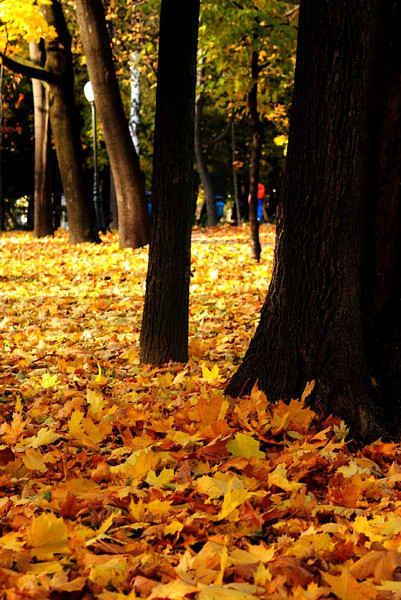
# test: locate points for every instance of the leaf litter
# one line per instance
(119, 480)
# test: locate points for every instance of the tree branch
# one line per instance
(27, 68)
(220, 137)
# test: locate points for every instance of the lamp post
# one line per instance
(97, 198)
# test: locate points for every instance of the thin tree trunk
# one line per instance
(164, 333)
(43, 209)
(2, 207)
(201, 161)
(235, 177)
(133, 217)
(311, 325)
(257, 134)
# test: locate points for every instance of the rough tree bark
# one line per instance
(383, 278)
(164, 333)
(43, 218)
(314, 324)
(133, 217)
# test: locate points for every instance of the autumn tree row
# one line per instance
(228, 49)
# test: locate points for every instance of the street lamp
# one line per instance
(97, 198)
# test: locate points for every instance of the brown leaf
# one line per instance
(379, 565)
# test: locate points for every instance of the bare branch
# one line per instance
(27, 68)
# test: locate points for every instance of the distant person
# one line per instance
(261, 200)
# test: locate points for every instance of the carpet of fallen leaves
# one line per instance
(125, 481)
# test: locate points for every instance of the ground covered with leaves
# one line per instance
(119, 480)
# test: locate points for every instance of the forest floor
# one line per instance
(119, 480)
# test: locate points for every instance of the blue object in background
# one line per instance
(220, 209)
(260, 209)
(148, 196)
(219, 206)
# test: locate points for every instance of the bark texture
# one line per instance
(43, 210)
(312, 324)
(164, 333)
(133, 217)
(384, 267)
(66, 134)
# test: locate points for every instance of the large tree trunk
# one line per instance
(133, 217)
(66, 134)
(43, 217)
(164, 333)
(201, 161)
(384, 274)
(312, 324)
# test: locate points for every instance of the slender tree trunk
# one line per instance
(133, 217)
(66, 134)
(201, 161)
(2, 207)
(235, 176)
(312, 326)
(43, 209)
(257, 136)
(164, 333)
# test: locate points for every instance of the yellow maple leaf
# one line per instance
(211, 375)
(378, 527)
(44, 437)
(279, 479)
(11, 431)
(112, 570)
(95, 400)
(218, 485)
(196, 348)
(161, 480)
(231, 501)
(159, 508)
(226, 592)
(165, 380)
(346, 587)
(262, 575)
(174, 590)
(173, 527)
(86, 431)
(245, 446)
(48, 536)
(48, 380)
(137, 510)
(33, 461)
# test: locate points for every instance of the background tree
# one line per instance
(164, 333)
(43, 209)
(200, 154)
(250, 53)
(59, 76)
(133, 218)
(341, 198)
